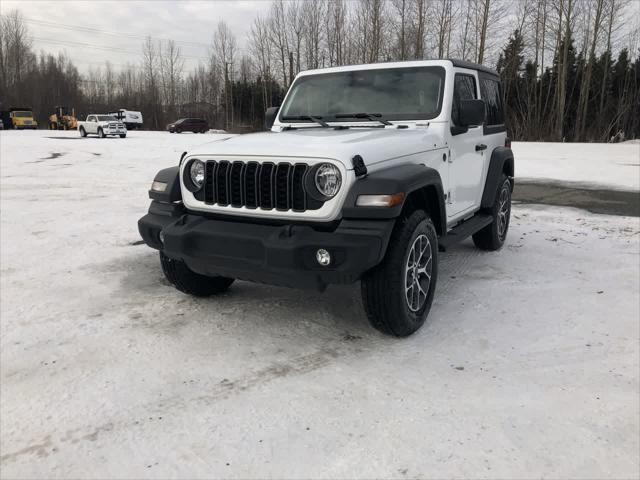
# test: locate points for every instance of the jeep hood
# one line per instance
(372, 144)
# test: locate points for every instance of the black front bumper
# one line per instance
(266, 253)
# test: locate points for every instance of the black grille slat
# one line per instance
(298, 194)
(208, 182)
(222, 183)
(282, 186)
(267, 186)
(235, 184)
(251, 184)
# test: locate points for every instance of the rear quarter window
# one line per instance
(492, 95)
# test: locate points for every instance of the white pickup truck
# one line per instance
(102, 125)
(365, 174)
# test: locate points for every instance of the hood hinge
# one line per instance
(359, 168)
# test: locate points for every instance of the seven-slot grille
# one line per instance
(266, 185)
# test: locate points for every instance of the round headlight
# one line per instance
(196, 172)
(328, 179)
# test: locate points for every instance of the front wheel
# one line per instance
(190, 282)
(123, 135)
(83, 133)
(398, 293)
(101, 133)
(492, 236)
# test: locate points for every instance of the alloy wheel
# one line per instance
(417, 276)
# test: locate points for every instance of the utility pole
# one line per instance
(226, 95)
(228, 100)
(290, 68)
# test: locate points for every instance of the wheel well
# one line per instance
(427, 199)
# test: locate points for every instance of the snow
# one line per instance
(528, 366)
(595, 165)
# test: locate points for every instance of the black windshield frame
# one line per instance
(438, 71)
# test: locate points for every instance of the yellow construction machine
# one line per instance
(63, 120)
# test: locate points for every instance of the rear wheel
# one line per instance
(83, 133)
(398, 293)
(492, 236)
(190, 282)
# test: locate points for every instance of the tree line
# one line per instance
(570, 68)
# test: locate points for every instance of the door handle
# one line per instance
(481, 147)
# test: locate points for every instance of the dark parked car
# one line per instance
(195, 125)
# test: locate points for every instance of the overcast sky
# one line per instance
(92, 32)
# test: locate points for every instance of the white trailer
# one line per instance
(130, 118)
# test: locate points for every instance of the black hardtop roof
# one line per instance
(20, 109)
(472, 66)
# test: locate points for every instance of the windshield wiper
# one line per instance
(371, 116)
(312, 118)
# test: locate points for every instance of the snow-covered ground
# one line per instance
(528, 365)
(596, 165)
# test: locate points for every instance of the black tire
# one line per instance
(83, 133)
(101, 133)
(178, 130)
(384, 292)
(123, 136)
(492, 236)
(190, 282)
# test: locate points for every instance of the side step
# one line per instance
(464, 230)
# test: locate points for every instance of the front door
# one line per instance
(467, 153)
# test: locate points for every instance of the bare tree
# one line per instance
(297, 23)
(224, 49)
(171, 68)
(313, 32)
(402, 10)
(442, 15)
(593, 32)
(261, 48)
(278, 34)
(419, 27)
(15, 52)
(370, 29)
(336, 33)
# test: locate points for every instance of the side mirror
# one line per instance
(471, 113)
(270, 117)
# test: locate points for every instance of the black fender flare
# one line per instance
(501, 161)
(170, 176)
(408, 179)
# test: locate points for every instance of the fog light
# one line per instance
(158, 186)
(323, 257)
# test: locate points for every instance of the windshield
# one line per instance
(413, 93)
(23, 114)
(107, 118)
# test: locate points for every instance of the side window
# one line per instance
(490, 91)
(464, 88)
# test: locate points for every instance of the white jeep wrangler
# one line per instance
(367, 173)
